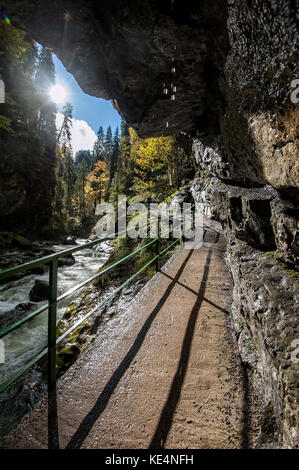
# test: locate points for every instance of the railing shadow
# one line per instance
(53, 435)
(104, 397)
(167, 414)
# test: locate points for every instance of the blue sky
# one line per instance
(95, 112)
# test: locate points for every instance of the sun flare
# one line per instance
(58, 94)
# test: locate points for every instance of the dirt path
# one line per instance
(161, 374)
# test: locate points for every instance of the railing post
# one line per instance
(52, 324)
(157, 253)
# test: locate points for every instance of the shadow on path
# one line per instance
(167, 414)
(103, 399)
(53, 436)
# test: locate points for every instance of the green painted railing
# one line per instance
(51, 306)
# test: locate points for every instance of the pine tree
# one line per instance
(124, 129)
(108, 145)
(65, 165)
(80, 187)
(24, 151)
(109, 141)
(84, 155)
(114, 154)
(99, 146)
(125, 168)
(64, 138)
(44, 80)
(69, 178)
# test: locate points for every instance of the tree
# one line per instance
(114, 154)
(80, 187)
(99, 146)
(44, 80)
(25, 152)
(69, 178)
(64, 138)
(65, 163)
(108, 141)
(123, 179)
(153, 163)
(84, 155)
(97, 180)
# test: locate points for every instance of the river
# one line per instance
(25, 342)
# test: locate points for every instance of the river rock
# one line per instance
(70, 240)
(68, 260)
(40, 291)
(14, 315)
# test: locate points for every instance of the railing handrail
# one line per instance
(31, 315)
(59, 254)
(53, 299)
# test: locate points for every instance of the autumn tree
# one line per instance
(153, 159)
(96, 183)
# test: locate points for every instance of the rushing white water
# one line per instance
(28, 340)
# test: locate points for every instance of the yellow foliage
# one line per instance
(153, 161)
(96, 182)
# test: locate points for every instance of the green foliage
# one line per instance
(99, 147)
(5, 124)
(84, 155)
(44, 80)
(27, 151)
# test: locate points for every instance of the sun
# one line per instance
(58, 94)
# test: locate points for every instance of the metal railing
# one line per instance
(51, 306)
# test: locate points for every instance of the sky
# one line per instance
(89, 113)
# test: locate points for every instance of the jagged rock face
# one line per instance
(265, 318)
(234, 64)
(123, 51)
(262, 254)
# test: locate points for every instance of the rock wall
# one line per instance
(262, 254)
(235, 62)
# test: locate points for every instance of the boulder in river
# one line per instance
(68, 260)
(70, 240)
(14, 315)
(40, 291)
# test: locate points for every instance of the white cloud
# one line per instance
(83, 137)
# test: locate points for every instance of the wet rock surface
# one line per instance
(233, 63)
(262, 255)
(265, 318)
(13, 316)
(40, 291)
(72, 346)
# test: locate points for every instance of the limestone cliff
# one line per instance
(234, 65)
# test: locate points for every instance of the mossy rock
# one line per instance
(70, 311)
(22, 240)
(67, 355)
